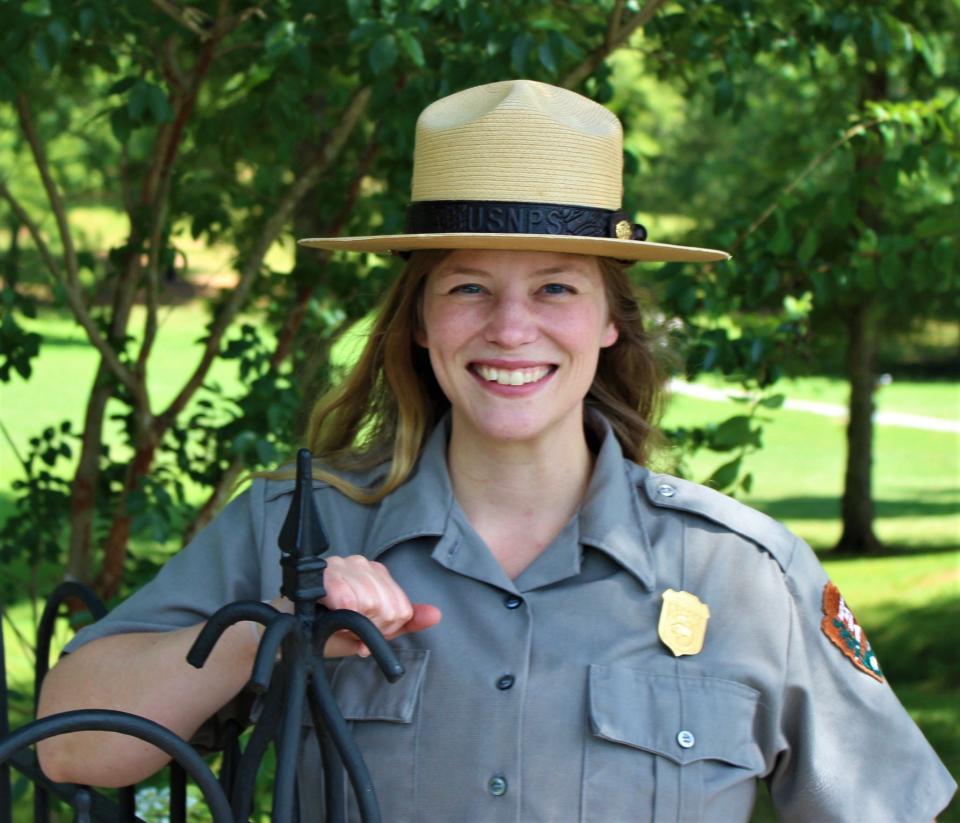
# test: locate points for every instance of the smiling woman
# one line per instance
(615, 644)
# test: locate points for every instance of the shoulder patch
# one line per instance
(665, 491)
(841, 627)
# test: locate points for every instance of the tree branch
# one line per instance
(268, 235)
(189, 18)
(811, 167)
(71, 281)
(53, 193)
(157, 184)
(34, 230)
(617, 35)
(613, 27)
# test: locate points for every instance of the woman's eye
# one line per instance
(467, 288)
(558, 288)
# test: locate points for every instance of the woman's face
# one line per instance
(514, 338)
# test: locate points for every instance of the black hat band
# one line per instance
(508, 217)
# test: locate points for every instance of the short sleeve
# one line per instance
(221, 565)
(850, 750)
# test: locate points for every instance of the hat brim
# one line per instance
(633, 250)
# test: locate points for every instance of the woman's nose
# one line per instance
(511, 323)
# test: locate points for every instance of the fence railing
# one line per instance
(288, 674)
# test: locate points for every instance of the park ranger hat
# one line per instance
(520, 166)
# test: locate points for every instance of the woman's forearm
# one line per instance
(144, 674)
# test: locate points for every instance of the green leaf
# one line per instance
(122, 85)
(120, 125)
(413, 48)
(733, 433)
(518, 53)
(889, 270)
(722, 95)
(39, 8)
(158, 105)
(86, 20)
(808, 246)
(725, 476)
(358, 9)
(782, 240)
(774, 401)
(545, 53)
(383, 54)
(138, 101)
(41, 55)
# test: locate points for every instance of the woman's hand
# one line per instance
(366, 586)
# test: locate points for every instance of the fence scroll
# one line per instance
(288, 675)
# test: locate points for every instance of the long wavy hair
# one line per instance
(383, 411)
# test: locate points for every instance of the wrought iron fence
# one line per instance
(288, 674)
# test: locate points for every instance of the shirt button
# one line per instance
(497, 786)
(506, 682)
(686, 739)
(511, 601)
(666, 490)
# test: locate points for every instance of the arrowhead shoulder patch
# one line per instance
(845, 633)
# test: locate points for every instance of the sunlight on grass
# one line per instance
(798, 475)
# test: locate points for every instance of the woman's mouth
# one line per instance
(512, 377)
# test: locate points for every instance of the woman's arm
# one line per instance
(147, 674)
(144, 674)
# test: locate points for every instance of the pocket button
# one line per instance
(497, 786)
(686, 739)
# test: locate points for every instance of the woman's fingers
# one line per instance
(424, 616)
(367, 587)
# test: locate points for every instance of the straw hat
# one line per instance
(519, 165)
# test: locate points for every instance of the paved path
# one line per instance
(910, 421)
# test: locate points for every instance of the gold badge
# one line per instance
(683, 622)
(624, 230)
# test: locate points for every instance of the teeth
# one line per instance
(513, 377)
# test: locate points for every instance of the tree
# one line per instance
(821, 141)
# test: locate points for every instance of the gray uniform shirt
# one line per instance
(551, 697)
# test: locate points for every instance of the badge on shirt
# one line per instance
(683, 622)
(845, 633)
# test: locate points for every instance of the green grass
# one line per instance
(798, 475)
(64, 372)
(930, 398)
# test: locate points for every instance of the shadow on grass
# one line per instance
(828, 508)
(891, 550)
(917, 645)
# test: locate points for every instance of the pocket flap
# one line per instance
(683, 718)
(363, 693)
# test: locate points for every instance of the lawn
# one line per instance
(908, 599)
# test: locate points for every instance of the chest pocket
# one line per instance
(669, 748)
(383, 720)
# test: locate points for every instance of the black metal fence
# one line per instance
(288, 674)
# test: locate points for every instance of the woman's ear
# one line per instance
(420, 338)
(611, 334)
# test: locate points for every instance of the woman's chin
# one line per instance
(510, 428)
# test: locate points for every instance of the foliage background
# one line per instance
(158, 159)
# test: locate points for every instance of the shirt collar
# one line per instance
(610, 518)
(421, 506)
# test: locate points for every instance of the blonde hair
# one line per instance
(385, 408)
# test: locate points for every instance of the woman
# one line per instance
(584, 639)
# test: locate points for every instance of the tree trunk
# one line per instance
(86, 479)
(857, 506)
(110, 576)
(861, 327)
